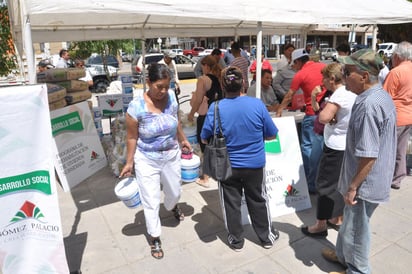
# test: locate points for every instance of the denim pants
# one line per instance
(311, 147)
(353, 243)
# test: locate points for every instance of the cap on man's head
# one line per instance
(299, 53)
(364, 59)
(170, 54)
(45, 63)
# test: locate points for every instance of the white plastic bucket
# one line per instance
(190, 169)
(127, 190)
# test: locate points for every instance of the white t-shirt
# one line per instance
(335, 135)
(61, 63)
(88, 76)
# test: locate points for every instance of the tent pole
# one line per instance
(374, 36)
(28, 48)
(144, 63)
(259, 60)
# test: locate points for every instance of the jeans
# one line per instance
(353, 243)
(311, 147)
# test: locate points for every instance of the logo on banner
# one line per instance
(94, 155)
(28, 210)
(29, 222)
(111, 102)
(290, 191)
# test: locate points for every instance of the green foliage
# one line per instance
(7, 56)
(84, 49)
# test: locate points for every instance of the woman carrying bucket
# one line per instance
(153, 136)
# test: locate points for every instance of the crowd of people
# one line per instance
(353, 139)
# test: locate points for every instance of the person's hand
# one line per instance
(190, 117)
(350, 197)
(316, 91)
(279, 112)
(126, 171)
(186, 145)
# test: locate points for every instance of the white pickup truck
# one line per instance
(386, 49)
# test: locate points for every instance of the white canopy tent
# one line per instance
(77, 20)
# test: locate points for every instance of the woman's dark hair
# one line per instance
(232, 79)
(157, 72)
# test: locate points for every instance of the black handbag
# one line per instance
(216, 161)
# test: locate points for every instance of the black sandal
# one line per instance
(177, 212)
(156, 248)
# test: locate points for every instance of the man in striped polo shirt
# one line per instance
(369, 161)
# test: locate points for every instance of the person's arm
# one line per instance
(274, 107)
(314, 95)
(328, 113)
(181, 137)
(364, 167)
(176, 75)
(199, 94)
(285, 102)
(131, 141)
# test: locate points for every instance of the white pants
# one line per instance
(150, 174)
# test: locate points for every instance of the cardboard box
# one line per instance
(74, 85)
(60, 74)
(78, 96)
(55, 93)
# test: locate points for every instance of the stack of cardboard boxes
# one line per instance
(63, 86)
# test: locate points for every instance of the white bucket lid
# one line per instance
(126, 188)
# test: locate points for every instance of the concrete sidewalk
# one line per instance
(102, 235)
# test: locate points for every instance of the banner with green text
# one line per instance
(31, 238)
(78, 151)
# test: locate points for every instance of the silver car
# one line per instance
(329, 53)
(184, 65)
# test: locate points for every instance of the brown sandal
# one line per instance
(156, 248)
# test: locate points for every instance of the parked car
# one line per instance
(205, 52)
(328, 53)
(102, 80)
(193, 52)
(386, 49)
(126, 57)
(184, 65)
(177, 51)
(96, 59)
(357, 47)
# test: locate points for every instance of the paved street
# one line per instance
(102, 235)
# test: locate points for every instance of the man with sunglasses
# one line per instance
(368, 164)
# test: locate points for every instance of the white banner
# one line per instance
(78, 151)
(31, 238)
(285, 177)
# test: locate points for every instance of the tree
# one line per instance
(84, 49)
(7, 54)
